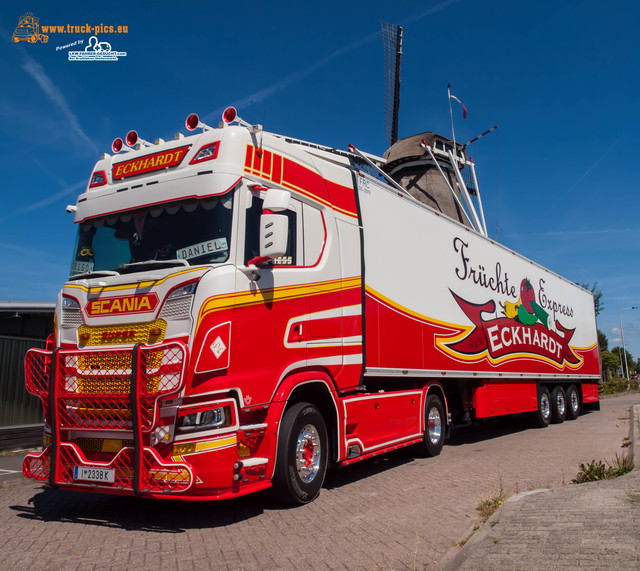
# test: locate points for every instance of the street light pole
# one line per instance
(624, 349)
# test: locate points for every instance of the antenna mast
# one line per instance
(392, 43)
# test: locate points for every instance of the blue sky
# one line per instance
(558, 178)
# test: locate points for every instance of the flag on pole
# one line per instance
(464, 109)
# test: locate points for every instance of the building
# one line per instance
(23, 325)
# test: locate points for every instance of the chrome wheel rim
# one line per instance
(545, 406)
(560, 404)
(434, 425)
(308, 453)
(574, 401)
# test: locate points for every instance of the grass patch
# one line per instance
(487, 507)
(634, 498)
(595, 471)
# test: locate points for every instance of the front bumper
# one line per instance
(114, 396)
(153, 476)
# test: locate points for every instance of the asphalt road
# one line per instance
(398, 511)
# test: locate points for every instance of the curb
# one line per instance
(634, 434)
(452, 560)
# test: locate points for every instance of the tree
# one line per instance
(610, 364)
(617, 351)
(603, 342)
(598, 304)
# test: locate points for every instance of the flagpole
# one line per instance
(453, 134)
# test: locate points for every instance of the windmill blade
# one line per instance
(392, 43)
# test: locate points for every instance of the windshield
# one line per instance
(193, 231)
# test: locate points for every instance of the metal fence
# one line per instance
(17, 406)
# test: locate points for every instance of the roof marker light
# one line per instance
(206, 153)
(117, 144)
(98, 178)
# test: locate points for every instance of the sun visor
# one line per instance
(139, 195)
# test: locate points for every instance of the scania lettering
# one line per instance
(245, 310)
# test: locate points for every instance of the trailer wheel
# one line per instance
(301, 461)
(573, 403)
(542, 417)
(433, 440)
(558, 405)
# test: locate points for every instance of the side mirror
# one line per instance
(274, 228)
(277, 200)
(274, 233)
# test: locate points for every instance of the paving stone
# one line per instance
(394, 512)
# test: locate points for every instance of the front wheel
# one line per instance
(434, 432)
(301, 462)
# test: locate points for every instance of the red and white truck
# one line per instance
(245, 309)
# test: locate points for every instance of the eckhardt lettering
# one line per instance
(123, 304)
(149, 163)
(506, 338)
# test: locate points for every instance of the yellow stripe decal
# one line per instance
(270, 295)
(132, 284)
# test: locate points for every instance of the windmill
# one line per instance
(433, 169)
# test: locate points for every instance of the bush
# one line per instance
(613, 386)
(599, 471)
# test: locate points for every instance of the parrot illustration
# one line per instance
(526, 310)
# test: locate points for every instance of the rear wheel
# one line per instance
(301, 462)
(558, 405)
(434, 426)
(542, 417)
(573, 403)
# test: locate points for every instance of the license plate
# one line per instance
(93, 474)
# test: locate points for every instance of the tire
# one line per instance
(558, 405)
(435, 426)
(542, 417)
(573, 403)
(301, 460)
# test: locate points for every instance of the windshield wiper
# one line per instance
(96, 274)
(124, 268)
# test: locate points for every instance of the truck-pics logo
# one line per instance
(28, 30)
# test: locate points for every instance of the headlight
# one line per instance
(184, 290)
(69, 303)
(205, 420)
